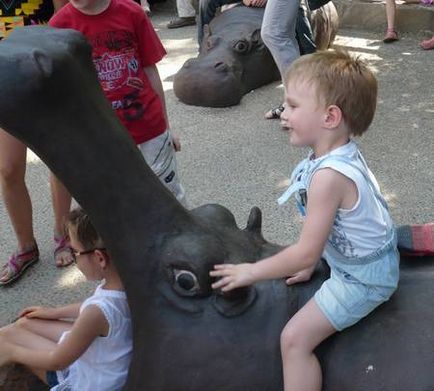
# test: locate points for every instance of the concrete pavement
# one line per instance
(233, 157)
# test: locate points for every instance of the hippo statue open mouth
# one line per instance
(234, 60)
(186, 336)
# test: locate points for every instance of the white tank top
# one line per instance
(104, 365)
(366, 227)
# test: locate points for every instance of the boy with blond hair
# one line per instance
(330, 96)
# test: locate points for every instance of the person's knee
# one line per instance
(290, 340)
(11, 172)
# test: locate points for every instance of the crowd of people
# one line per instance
(334, 189)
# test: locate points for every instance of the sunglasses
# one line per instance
(76, 254)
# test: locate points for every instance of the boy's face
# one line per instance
(303, 115)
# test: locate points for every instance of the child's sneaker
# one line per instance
(416, 240)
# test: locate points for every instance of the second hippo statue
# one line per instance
(234, 60)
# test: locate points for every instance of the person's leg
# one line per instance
(16, 197)
(207, 11)
(186, 15)
(391, 34)
(61, 200)
(34, 334)
(185, 9)
(29, 332)
(278, 31)
(278, 34)
(302, 334)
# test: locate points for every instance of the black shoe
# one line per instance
(181, 22)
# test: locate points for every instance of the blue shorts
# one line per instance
(345, 303)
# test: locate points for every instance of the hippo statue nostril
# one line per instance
(221, 66)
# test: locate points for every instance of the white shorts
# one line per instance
(160, 155)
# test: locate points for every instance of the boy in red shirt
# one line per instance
(125, 49)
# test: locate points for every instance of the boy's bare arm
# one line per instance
(70, 311)
(324, 198)
(89, 325)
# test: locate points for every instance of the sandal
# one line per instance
(427, 44)
(390, 36)
(416, 240)
(18, 263)
(275, 113)
(61, 250)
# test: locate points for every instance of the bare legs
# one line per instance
(17, 200)
(61, 200)
(14, 190)
(391, 34)
(302, 334)
(37, 334)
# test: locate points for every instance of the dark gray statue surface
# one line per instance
(187, 337)
(234, 60)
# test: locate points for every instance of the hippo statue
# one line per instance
(186, 336)
(233, 59)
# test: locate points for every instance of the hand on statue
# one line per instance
(232, 276)
(38, 312)
(176, 141)
(301, 276)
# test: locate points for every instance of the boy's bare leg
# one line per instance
(302, 334)
(61, 200)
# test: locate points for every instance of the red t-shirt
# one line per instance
(123, 41)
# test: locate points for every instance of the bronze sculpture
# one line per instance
(187, 337)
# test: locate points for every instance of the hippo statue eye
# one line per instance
(241, 46)
(185, 282)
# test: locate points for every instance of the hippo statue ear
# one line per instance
(256, 37)
(43, 63)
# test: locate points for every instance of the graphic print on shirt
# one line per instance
(118, 68)
(338, 239)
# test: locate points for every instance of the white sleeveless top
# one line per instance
(104, 365)
(366, 227)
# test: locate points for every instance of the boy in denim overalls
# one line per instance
(330, 97)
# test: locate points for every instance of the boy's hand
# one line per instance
(233, 276)
(301, 276)
(38, 312)
(176, 141)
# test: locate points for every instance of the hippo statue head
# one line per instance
(186, 336)
(233, 61)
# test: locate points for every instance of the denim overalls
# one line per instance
(357, 284)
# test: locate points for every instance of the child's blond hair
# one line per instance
(340, 80)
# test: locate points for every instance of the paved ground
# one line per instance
(234, 157)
